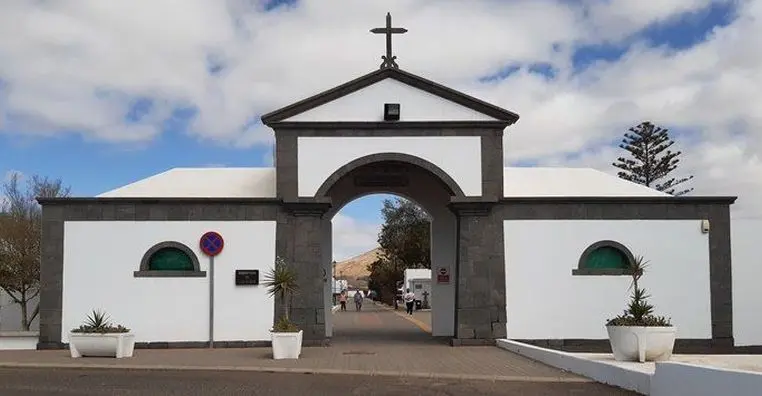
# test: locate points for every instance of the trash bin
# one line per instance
(417, 305)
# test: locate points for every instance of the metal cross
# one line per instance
(389, 59)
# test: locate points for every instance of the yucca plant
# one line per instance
(99, 322)
(639, 312)
(282, 281)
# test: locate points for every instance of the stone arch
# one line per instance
(145, 268)
(451, 185)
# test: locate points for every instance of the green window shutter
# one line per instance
(606, 257)
(170, 259)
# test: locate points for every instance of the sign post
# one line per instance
(211, 244)
(443, 275)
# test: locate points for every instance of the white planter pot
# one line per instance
(641, 344)
(287, 345)
(118, 345)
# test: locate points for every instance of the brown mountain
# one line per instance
(355, 269)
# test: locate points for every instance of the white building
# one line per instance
(535, 254)
(418, 281)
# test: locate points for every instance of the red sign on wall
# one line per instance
(443, 275)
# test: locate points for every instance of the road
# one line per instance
(88, 382)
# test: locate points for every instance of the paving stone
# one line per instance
(375, 340)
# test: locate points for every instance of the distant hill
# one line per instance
(355, 269)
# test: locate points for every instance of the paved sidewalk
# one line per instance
(378, 324)
(375, 341)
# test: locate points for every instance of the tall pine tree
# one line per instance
(649, 164)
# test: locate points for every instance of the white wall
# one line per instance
(367, 104)
(681, 379)
(545, 301)
(458, 156)
(747, 272)
(100, 257)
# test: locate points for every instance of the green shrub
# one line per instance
(98, 322)
(639, 311)
(282, 281)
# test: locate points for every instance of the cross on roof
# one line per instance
(389, 59)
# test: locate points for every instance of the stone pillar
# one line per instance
(327, 250)
(51, 276)
(300, 244)
(720, 275)
(480, 296)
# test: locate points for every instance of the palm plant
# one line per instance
(639, 311)
(282, 281)
(99, 322)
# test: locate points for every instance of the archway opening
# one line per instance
(364, 200)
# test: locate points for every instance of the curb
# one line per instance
(399, 374)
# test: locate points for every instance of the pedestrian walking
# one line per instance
(358, 300)
(343, 300)
(409, 298)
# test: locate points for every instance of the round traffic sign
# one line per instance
(211, 243)
(443, 271)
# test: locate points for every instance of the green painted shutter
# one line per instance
(170, 259)
(606, 258)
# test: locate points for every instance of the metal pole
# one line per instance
(211, 301)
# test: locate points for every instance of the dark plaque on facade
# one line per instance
(246, 277)
(381, 180)
(387, 175)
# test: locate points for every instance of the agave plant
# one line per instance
(639, 311)
(99, 322)
(282, 281)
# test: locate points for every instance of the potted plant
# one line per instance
(639, 335)
(286, 335)
(98, 337)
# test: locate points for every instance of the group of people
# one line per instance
(358, 298)
(408, 298)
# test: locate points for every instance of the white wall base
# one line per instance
(673, 378)
(638, 381)
(18, 340)
(682, 379)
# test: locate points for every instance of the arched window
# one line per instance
(605, 258)
(169, 259)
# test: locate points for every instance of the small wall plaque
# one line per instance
(246, 277)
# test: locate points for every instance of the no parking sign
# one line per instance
(211, 243)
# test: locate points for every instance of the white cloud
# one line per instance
(352, 236)
(81, 65)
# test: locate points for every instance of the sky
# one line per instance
(104, 93)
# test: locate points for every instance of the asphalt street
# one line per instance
(82, 382)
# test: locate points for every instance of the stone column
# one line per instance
(300, 244)
(480, 296)
(51, 276)
(721, 277)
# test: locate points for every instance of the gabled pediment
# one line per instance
(363, 99)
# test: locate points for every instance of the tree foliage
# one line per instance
(20, 234)
(405, 243)
(648, 163)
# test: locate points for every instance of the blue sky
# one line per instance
(91, 165)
